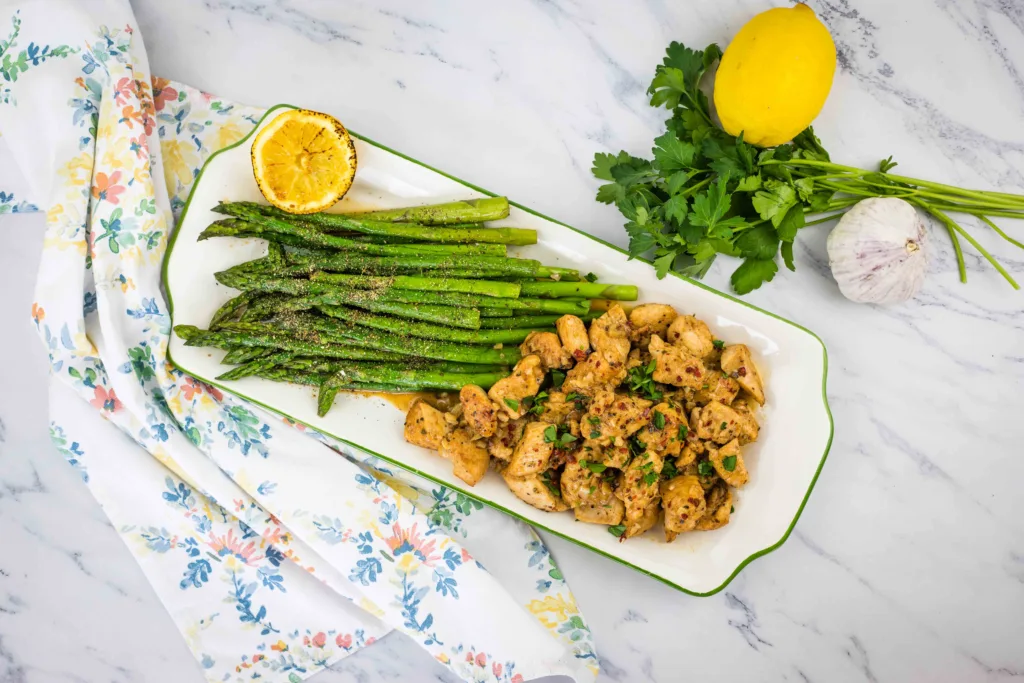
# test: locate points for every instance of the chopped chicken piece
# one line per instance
(683, 500)
(692, 334)
(616, 455)
(719, 423)
(687, 455)
(638, 489)
(675, 365)
(749, 428)
(425, 425)
(547, 346)
(478, 410)
(469, 457)
(737, 361)
(644, 521)
(590, 495)
(573, 334)
(609, 334)
(611, 418)
(505, 438)
(557, 410)
(709, 477)
(532, 452)
(524, 381)
(638, 357)
(662, 434)
(594, 374)
(648, 319)
(728, 463)
(716, 388)
(719, 508)
(534, 491)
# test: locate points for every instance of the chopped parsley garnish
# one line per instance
(705, 468)
(590, 277)
(729, 463)
(551, 434)
(683, 431)
(641, 381)
(732, 509)
(595, 434)
(659, 419)
(617, 531)
(595, 467)
(723, 425)
(557, 378)
(535, 404)
(718, 344)
(650, 478)
(668, 470)
(594, 420)
(546, 478)
(512, 403)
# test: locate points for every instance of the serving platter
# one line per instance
(796, 424)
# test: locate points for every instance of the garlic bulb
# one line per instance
(876, 252)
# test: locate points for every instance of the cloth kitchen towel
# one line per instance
(275, 550)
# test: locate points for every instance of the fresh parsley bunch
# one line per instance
(706, 192)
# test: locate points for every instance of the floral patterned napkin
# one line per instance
(275, 550)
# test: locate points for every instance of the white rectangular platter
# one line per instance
(784, 463)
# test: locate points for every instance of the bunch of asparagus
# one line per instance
(422, 298)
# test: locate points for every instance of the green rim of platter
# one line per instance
(739, 568)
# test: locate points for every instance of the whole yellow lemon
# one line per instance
(775, 75)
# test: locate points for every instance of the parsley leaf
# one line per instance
(640, 380)
(551, 434)
(512, 403)
(617, 531)
(752, 273)
(710, 207)
(650, 478)
(774, 201)
(705, 468)
(760, 242)
(659, 419)
(663, 264)
(718, 344)
(787, 255)
(668, 469)
(672, 154)
(790, 223)
(729, 463)
(595, 467)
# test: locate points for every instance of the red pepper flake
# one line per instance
(692, 501)
(579, 354)
(742, 372)
(622, 405)
(683, 516)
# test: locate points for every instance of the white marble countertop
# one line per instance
(908, 562)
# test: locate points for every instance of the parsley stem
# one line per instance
(956, 208)
(824, 219)
(945, 220)
(1000, 232)
(974, 243)
(984, 195)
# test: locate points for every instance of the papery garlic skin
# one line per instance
(877, 251)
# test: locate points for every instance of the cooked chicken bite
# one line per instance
(719, 508)
(675, 365)
(533, 490)
(749, 429)
(616, 455)
(557, 410)
(638, 488)
(692, 334)
(573, 334)
(609, 334)
(611, 418)
(728, 463)
(594, 374)
(648, 319)
(640, 522)
(478, 410)
(716, 388)
(532, 452)
(719, 423)
(469, 457)
(524, 381)
(682, 498)
(425, 425)
(662, 434)
(547, 346)
(737, 361)
(590, 495)
(686, 455)
(506, 436)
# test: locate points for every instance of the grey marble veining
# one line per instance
(908, 562)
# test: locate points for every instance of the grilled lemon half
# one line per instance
(304, 161)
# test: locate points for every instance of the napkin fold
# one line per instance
(276, 550)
